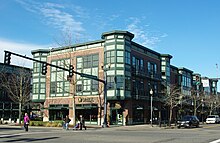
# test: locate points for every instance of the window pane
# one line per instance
(120, 59)
(120, 53)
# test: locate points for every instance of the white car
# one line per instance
(213, 119)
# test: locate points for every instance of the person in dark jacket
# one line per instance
(82, 123)
(67, 120)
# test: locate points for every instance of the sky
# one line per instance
(189, 30)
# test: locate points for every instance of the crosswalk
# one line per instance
(5, 135)
(216, 141)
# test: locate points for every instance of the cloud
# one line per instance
(19, 48)
(56, 15)
(142, 33)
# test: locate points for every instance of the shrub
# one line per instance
(36, 123)
(46, 124)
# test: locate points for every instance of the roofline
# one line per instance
(65, 47)
(40, 51)
(172, 66)
(145, 48)
(17, 66)
(183, 68)
(166, 55)
(197, 74)
(131, 35)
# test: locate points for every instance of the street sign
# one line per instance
(89, 76)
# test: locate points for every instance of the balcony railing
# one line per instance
(145, 73)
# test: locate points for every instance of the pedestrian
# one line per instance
(26, 122)
(82, 123)
(63, 123)
(67, 120)
(77, 126)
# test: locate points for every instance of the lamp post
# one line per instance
(151, 107)
(202, 111)
(105, 124)
(105, 102)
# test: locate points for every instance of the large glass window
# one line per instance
(42, 88)
(152, 67)
(141, 65)
(79, 62)
(119, 80)
(95, 85)
(36, 67)
(95, 60)
(35, 87)
(90, 67)
(127, 57)
(59, 85)
(120, 56)
(87, 62)
(138, 64)
(79, 88)
(110, 82)
(110, 57)
(127, 83)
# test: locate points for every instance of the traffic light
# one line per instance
(7, 58)
(44, 68)
(71, 68)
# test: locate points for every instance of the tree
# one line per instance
(101, 100)
(65, 41)
(213, 103)
(171, 97)
(17, 84)
(197, 98)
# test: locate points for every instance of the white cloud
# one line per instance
(56, 15)
(142, 33)
(19, 48)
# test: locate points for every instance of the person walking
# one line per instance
(26, 122)
(82, 123)
(67, 120)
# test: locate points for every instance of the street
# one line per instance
(126, 134)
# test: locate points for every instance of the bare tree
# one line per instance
(213, 102)
(18, 87)
(197, 98)
(65, 41)
(101, 102)
(171, 97)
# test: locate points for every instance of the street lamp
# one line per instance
(202, 111)
(105, 124)
(151, 108)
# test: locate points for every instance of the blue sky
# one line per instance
(189, 30)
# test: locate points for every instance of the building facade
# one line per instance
(130, 70)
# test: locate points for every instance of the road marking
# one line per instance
(216, 141)
(29, 133)
(211, 126)
(25, 133)
(8, 135)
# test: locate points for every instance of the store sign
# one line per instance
(88, 99)
(205, 82)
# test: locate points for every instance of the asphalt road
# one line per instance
(128, 134)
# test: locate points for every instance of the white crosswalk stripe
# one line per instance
(216, 141)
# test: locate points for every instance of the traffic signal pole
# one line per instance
(65, 69)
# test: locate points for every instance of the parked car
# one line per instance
(188, 121)
(213, 119)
